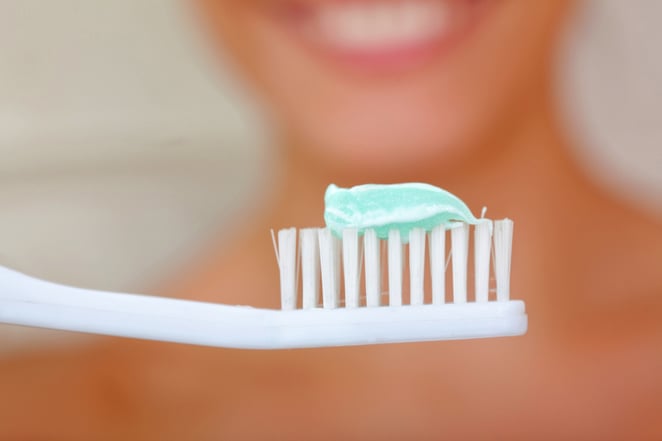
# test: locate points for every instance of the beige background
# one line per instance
(124, 144)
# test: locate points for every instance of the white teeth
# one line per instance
(379, 24)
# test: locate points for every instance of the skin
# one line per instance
(586, 263)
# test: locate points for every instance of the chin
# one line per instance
(385, 153)
(357, 133)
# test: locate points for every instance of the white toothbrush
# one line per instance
(31, 302)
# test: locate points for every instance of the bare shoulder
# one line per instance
(621, 251)
(126, 389)
(74, 393)
(636, 251)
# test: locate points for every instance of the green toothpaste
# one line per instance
(396, 206)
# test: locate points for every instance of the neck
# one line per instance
(528, 176)
(527, 173)
(566, 260)
(564, 226)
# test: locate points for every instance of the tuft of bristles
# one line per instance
(318, 259)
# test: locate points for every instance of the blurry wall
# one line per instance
(610, 87)
(124, 143)
(119, 138)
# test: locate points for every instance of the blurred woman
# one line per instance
(457, 93)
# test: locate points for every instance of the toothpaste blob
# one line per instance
(396, 206)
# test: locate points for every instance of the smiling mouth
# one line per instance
(382, 34)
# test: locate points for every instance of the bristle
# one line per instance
(416, 265)
(460, 244)
(351, 266)
(372, 268)
(337, 254)
(329, 262)
(482, 248)
(503, 239)
(323, 259)
(287, 262)
(438, 264)
(310, 267)
(394, 268)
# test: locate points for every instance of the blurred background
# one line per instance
(125, 144)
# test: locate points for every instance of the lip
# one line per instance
(382, 50)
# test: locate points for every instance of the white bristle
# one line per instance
(394, 268)
(287, 263)
(323, 256)
(460, 245)
(503, 240)
(329, 262)
(372, 268)
(416, 265)
(309, 267)
(351, 266)
(438, 264)
(337, 254)
(482, 248)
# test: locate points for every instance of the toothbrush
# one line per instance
(342, 317)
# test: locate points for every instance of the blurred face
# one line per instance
(390, 82)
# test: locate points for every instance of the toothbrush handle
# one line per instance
(32, 302)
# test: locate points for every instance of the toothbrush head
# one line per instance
(342, 279)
